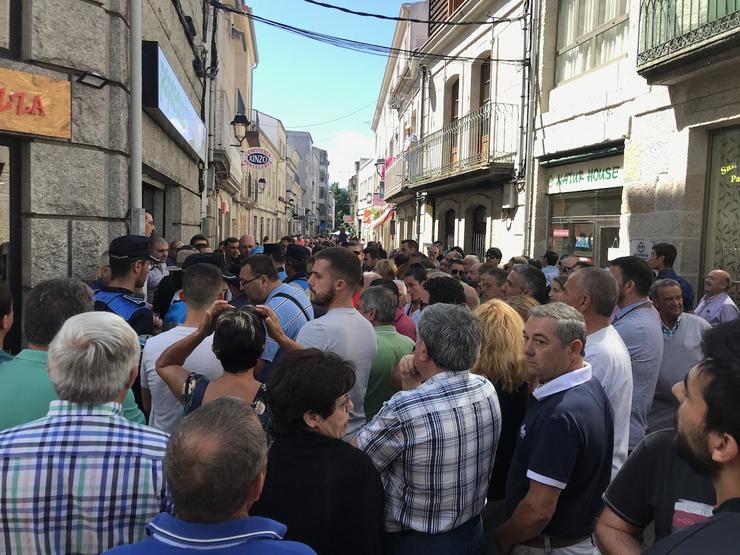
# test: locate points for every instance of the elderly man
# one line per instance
(524, 279)
(469, 261)
(716, 306)
(215, 470)
(593, 293)
(662, 258)
(175, 246)
(682, 336)
(563, 457)
(83, 479)
(160, 248)
(379, 306)
(27, 389)
(435, 442)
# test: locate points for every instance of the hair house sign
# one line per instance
(257, 158)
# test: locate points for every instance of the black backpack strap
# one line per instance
(295, 302)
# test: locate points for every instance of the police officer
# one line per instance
(131, 258)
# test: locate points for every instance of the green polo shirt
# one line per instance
(391, 347)
(26, 391)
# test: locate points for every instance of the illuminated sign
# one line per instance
(30, 103)
(166, 101)
(257, 158)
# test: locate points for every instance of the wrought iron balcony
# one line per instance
(679, 30)
(484, 137)
(395, 178)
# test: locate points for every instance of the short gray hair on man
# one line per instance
(601, 286)
(452, 335)
(91, 358)
(212, 459)
(472, 258)
(659, 284)
(382, 300)
(569, 323)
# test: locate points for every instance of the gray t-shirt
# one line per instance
(346, 333)
(639, 327)
(680, 352)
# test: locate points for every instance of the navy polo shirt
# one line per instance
(566, 441)
(254, 534)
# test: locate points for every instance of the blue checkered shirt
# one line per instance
(434, 447)
(80, 480)
(670, 332)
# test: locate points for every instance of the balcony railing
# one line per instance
(486, 136)
(395, 174)
(674, 27)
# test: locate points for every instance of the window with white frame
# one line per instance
(591, 33)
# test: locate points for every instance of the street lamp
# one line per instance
(92, 79)
(239, 124)
(378, 164)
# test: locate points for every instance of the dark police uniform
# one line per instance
(566, 441)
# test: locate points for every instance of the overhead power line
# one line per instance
(333, 120)
(357, 46)
(409, 19)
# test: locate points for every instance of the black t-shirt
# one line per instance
(717, 535)
(566, 441)
(513, 408)
(655, 484)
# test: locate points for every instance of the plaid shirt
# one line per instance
(80, 480)
(434, 447)
(670, 332)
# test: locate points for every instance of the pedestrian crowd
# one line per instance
(322, 395)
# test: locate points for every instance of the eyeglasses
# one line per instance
(243, 284)
(455, 272)
(356, 252)
(567, 269)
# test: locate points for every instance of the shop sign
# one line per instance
(34, 104)
(166, 101)
(585, 176)
(641, 248)
(563, 233)
(258, 158)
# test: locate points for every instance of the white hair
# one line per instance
(402, 289)
(91, 358)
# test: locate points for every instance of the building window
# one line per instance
(10, 27)
(452, 5)
(454, 100)
(591, 33)
(484, 93)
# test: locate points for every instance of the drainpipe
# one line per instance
(420, 198)
(136, 212)
(529, 182)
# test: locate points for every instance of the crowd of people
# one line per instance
(326, 396)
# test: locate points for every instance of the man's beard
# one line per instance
(699, 460)
(323, 300)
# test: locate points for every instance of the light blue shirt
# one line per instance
(289, 312)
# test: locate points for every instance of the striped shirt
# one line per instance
(80, 480)
(434, 447)
(291, 313)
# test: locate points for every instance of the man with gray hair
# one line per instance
(563, 456)
(215, 469)
(27, 389)
(524, 279)
(682, 337)
(593, 293)
(434, 443)
(379, 306)
(83, 479)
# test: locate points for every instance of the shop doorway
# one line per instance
(478, 238)
(10, 234)
(449, 234)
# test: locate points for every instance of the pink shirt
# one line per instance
(405, 325)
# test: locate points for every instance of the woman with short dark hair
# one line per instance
(327, 492)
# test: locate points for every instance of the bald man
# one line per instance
(246, 244)
(716, 306)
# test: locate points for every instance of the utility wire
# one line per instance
(357, 46)
(409, 19)
(333, 120)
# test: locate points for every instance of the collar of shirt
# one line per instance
(561, 383)
(622, 312)
(300, 276)
(719, 297)
(386, 329)
(34, 355)
(668, 273)
(66, 408)
(670, 332)
(173, 531)
(729, 506)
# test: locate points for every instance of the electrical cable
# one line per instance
(332, 120)
(357, 46)
(409, 19)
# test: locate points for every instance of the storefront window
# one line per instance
(586, 224)
(723, 216)
(5, 24)
(5, 169)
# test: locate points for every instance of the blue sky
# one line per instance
(300, 81)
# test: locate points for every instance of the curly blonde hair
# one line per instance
(386, 268)
(501, 357)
